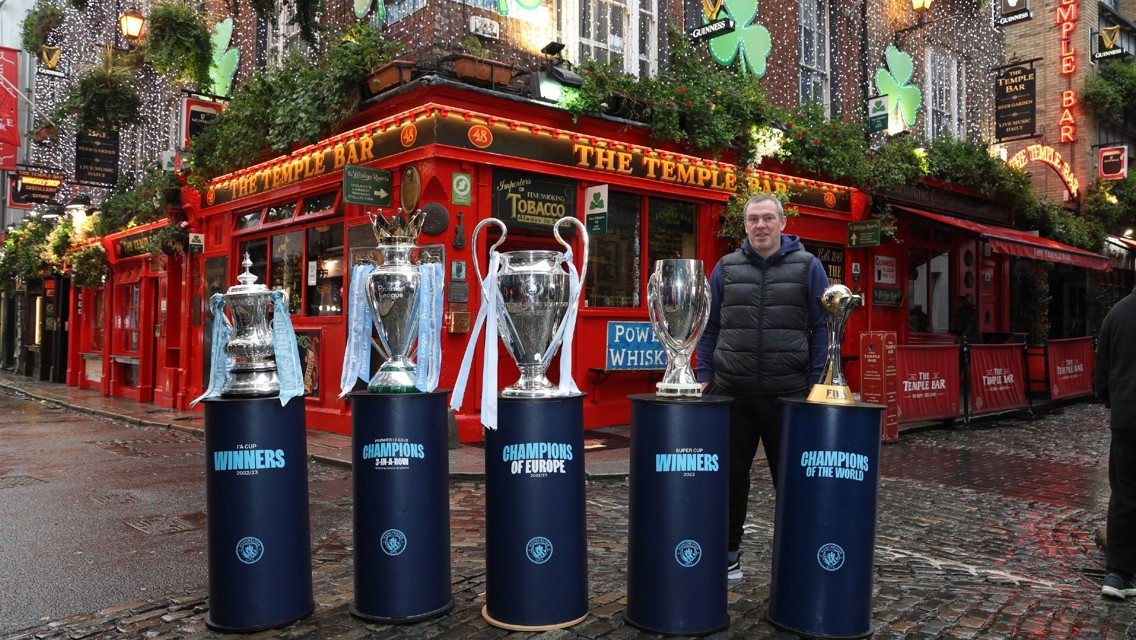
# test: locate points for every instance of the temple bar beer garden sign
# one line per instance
(1015, 96)
(96, 157)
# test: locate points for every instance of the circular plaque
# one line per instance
(410, 190)
(437, 219)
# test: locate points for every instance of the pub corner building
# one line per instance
(463, 154)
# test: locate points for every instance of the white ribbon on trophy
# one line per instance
(429, 367)
(220, 362)
(486, 315)
(357, 363)
(567, 385)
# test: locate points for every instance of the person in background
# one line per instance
(1114, 381)
(966, 321)
(766, 339)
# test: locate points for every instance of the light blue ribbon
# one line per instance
(284, 346)
(220, 362)
(426, 374)
(357, 358)
(567, 385)
(486, 315)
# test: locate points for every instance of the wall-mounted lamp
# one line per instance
(1128, 233)
(921, 9)
(548, 83)
(130, 24)
(921, 5)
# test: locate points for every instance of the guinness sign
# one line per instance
(1108, 43)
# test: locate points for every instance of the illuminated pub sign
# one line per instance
(135, 244)
(453, 127)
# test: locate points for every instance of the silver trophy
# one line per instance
(838, 301)
(533, 298)
(678, 304)
(392, 291)
(254, 372)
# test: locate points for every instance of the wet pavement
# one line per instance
(982, 533)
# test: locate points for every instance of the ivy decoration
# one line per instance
(894, 81)
(44, 18)
(104, 97)
(88, 265)
(177, 43)
(749, 43)
(225, 60)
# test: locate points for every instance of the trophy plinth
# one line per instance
(678, 305)
(838, 301)
(253, 374)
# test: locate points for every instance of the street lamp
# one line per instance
(130, 24)
(77, 209)
(921, 5)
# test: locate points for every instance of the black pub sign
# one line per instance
(532, 201)
(96, 157)
(1015, 97)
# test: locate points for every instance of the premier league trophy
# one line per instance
(253, 374)
(534, 296)
(678, 303)
(393, 292)
(838, 301)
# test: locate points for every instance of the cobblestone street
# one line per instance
(983, 533)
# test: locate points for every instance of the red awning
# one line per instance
(1015, 242)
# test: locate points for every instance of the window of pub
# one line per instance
(296, 249)
(928, 281)
(616, 269)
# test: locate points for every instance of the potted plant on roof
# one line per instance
(474, 64)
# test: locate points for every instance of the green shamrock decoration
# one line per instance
(597, 201)
(895, 82)
(225, 60)
(362, 7)
(750, 41)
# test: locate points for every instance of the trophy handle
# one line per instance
(583, 238)
(473, 247)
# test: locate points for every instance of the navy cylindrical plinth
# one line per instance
(679, 487)
(536, 556)
(256, 494)
(400, 477)
(825, 529)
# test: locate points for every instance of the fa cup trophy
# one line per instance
(678, 304)
(838, 301)
(253, 373)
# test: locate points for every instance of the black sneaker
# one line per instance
(1117, 587)
(734, 570)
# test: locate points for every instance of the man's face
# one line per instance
(763, 228)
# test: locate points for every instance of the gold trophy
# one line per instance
(838, 301)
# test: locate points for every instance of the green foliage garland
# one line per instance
(1111, 93)
(178, 42)
(305, 17)
(296, 103)
(88, 265)
(44, 18)
(104, 97)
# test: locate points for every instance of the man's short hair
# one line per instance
(763, 197)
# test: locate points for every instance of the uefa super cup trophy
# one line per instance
(678, 304)
(534, 295)
(838, 302)
(393, 292)
(253, 373)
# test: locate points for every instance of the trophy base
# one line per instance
(678, 390)
(831, 394)
(394, 379)
(530, 388)
(251, 384)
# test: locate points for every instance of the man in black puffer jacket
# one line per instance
(766, 339)
(1114, 380)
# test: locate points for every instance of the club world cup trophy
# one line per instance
(678, 304)
(393, 293)
(534, 295)
(838, 302)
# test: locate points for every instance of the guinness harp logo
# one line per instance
(711, 9)
(50, 56)
(1109, 36)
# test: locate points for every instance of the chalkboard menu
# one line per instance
(532, 201)
(96, 157)
(831, 256)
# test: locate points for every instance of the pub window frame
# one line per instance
(936, 298)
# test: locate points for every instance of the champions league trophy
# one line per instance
(838, 301)
(253, 373)
(393, 292)
(678, 302)
(534, 297)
